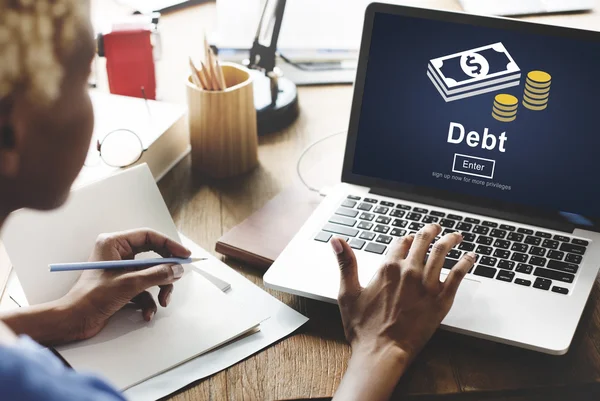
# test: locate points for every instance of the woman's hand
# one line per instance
(99, 294)
(390, 321)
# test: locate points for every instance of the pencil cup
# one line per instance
(223, 131)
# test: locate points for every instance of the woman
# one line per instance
(46, 121)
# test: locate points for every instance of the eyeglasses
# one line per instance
(119, 148)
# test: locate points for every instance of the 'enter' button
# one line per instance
(471, 165)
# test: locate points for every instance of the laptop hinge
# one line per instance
(540, 221)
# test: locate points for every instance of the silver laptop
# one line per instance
(525, 7)
(487, 126)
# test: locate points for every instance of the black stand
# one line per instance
(275, 97)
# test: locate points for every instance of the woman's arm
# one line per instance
(390, 321)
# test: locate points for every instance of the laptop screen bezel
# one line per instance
(518, 212)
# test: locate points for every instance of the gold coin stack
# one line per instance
(505, 108)
(537, 90)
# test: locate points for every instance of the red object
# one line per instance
(130, 63)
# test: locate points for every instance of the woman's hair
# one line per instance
(36, 36)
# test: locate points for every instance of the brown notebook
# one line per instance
(260, 238)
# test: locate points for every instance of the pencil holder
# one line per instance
(223, 131)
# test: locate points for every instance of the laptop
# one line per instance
(525, 7)
(487, 126)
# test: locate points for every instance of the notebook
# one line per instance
(129, 350)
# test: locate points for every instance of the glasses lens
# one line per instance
(121, 148)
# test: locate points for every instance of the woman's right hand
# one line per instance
(390, 321)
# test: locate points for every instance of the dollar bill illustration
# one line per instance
(474, 72)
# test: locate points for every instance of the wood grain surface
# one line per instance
(310, 363)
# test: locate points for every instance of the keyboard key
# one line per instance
(336, 229)
(371, 200)
(364, 225)
(464, 226)
(543, 234)
(485, 271)
(397, 213)
(449, 263)
(498, 233)
(505, 275)
(560, 290)
(367, 216)
(484, 250)
(403, 207)
(561, 238)
(454, 254)
(342, 237)
(342, 211)
(468, 237)
(323, 237)
(554, 275)
(548, 243)
(437, 214)
(571, 248)
(398, 232)
(482, 239)
(519, 248)
(472, 220)
(414, 216)
(420, 210)
(365, 206)
(449, 231)
(542, 284)
(367, 235)
(507, 227)
(524, 268)
(466, 246)
(489, 224)
(375, 248)
(537, 251)
(357, 243)
(488, 261)
(533, 240)
(506, 264)
(502, 244)
(519, 257)
(580, 242)
(383, 220)
(515, 237)
(454, 217)
(557, 255)
(381, 210)
(384, 239)
(353, 197)
(563, 267)
(501, 253)
(385, 203)
(345, 221)
(416, 226)
(525, 231)
(537, 261)
(379, 228)
(520, 281)
(430, 219)
(447, 223)
(400, 223)
(349, 203)
(573, 258)
(481, 230)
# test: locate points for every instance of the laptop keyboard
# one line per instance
(517, 255)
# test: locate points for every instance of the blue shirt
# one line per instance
(29, 372)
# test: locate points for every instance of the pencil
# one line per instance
(220, 74)
(195, 76)
(213, 70)
(121, 264)
(206, 73)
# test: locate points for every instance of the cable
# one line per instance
(305, 151)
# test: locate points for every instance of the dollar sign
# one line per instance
(474, 64)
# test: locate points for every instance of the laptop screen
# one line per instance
(494, 114)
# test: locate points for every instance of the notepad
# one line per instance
(129, 350)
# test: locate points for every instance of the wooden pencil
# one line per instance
(195, 77)
(206, 72)
(220, 74)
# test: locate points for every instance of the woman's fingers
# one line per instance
(146, 303)
(421, 243)
(349, 284)
(164, 296)
(140, 280)
(437, 256)
(130, 243)
(456, 275)
(399, 248)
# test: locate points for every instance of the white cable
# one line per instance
(305, 151)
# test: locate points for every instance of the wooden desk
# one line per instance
(310, 363)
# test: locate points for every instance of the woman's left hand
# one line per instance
(99, 294)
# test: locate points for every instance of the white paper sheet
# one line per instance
(283, 321)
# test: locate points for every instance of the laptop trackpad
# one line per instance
(462, 309)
